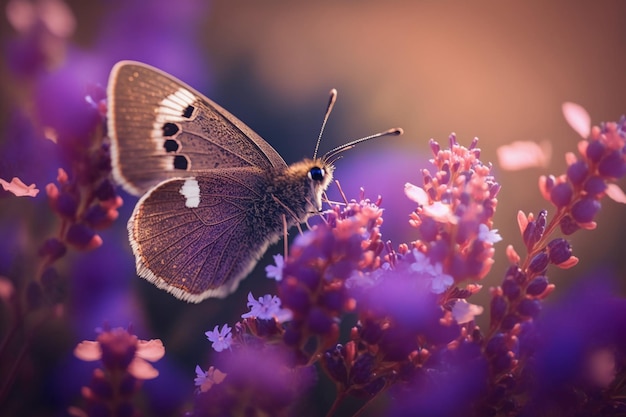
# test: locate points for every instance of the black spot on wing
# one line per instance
(181, 162)
(170, 129)
(170, 145)
(188, 111)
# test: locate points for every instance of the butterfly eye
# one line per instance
(316, 174)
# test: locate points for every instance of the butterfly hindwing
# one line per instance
(195, 236)
(161, 128)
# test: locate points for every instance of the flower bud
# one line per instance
(568, 225)
(498, 308)
(496, 345)
(334, 363)
(561, 194)
(537, 286)
(539, 263)
(510, 288)
(612, 165)
(105, 191)
(66, 205)
(577, 172)
(509, 321)
(529, 308)
(584, 210)
(559, 250)
(595, 150)
(83, 237)
(53, 248)
(594, 186)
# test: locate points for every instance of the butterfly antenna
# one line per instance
(333, 152)
(329, 108)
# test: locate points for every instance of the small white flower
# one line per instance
(487, 235)
(464, 312)
(266, 308)
(276, 271)
(421, 264)
(359, 279)
(221, 339)
(440, 281)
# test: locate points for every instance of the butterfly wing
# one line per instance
(161, 128)
(197, 237)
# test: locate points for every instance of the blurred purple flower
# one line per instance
(205, 380)
(574, 343)
(261, 384)
(448, 385)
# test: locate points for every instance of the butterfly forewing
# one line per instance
(195, 236)
(161, 128)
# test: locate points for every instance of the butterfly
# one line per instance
(213, 194)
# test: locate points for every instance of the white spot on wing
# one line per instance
(191, 191)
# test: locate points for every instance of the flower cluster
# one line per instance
(405, 300)
(53, 133)
(125, 364)
(377, 317)
(370, 319)
(517, 303)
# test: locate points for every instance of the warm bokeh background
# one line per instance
(496, 70)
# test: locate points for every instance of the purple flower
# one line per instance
(464, 312)
(118, 349)
(276, 271)
(266, 308)
(221, 339)
(488, 235)
(205, 380)
(261, 381)
(436, 280)
(575, 345)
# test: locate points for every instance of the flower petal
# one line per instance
(615, 193)
(524, 154)
(415, 193)
(17, 187)
(142, 369)
(463, 312)
(276, 271)
(441, 212)
(151, 350)
(578, 118)
(88, 350)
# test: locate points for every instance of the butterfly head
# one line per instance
(316, 174)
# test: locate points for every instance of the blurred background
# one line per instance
(499, 71)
